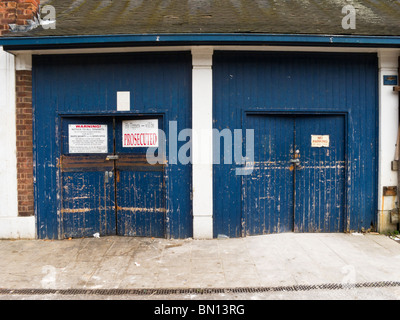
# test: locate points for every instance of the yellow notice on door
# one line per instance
(318, 141)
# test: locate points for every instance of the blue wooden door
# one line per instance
(87, 178)
(108, 188)
(268, 191)
(320, 174)
(297, 183)
(140, 186)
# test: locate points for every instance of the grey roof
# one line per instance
(105, 17)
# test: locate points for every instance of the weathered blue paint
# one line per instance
(281, 195)
(78, 85)
(320, 178)
(23, 43)
(140, 189)
(344, 85)
(268, 192)
(87, 195)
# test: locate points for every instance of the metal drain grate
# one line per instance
(198, 291)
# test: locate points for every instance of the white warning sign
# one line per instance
(140, 133)
(87, 138)
(319, 141)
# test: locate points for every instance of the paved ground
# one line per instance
(273, 261)
(347, 294)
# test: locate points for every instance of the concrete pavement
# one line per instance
(263, 261)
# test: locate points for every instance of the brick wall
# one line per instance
(24, 143)
(8, 13)
(17, 12)
(26, 10)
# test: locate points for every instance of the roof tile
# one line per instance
(108, 17)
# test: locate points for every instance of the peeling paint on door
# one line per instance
(295, 84)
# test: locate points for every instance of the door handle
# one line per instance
(112, 157)
(107, 175)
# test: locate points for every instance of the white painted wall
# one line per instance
(388, 128)
(11, 226)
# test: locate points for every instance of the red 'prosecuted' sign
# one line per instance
(140, 140)
(140, 133)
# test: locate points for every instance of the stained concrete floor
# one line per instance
(263, 261)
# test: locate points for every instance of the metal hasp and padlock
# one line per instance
(296, 160)
(109, 174)
(112, 157)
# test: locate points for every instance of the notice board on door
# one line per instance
(140, 133)
(87, 138)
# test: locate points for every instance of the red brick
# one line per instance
(17, 12)
(11, 4)
(24, 143)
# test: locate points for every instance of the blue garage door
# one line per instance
(83, 193)
(298, 179)
(290, 99)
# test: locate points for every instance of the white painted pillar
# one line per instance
(202, 146)
(23, 62)
(11, 226)
(388, 130)
(8, 158)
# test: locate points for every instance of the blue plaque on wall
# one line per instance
(390, 80)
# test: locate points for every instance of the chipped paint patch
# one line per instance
(76, 210)
(134, 209)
